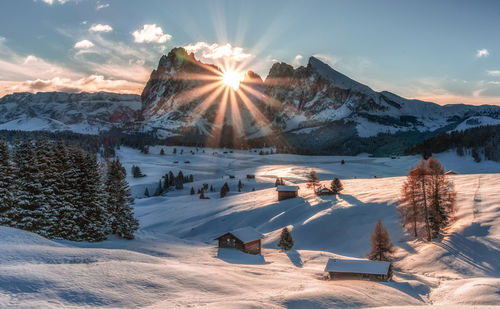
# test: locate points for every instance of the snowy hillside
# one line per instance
(174, 262)
(58, 111)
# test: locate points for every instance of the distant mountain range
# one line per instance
(312, 109)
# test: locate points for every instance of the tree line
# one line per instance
(485, 139)
(61, 191)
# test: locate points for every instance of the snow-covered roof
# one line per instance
(357, 266)
(287, 188)
(245, 234)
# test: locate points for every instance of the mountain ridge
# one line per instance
(180, 101)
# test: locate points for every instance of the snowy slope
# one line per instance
(58, 111)
(173, 262)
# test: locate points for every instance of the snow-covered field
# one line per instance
(174, 262)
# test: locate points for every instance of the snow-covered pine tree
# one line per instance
(146, 192)
(28, 212)
(6, 183)
(64, 191)
(286, 241)
(381, 245)
(336, 185)
(92, 200)
(72, 214)
(48, 180)
(119, 202)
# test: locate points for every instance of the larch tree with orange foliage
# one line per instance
(427, 200)
(312, 180)
(381, 244)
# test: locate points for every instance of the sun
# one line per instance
(232, 79)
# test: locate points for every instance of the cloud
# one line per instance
(118, 68)
(494, 73)
(100, 28)
(297, 60)
(50, 2)
(482, 53)
(84, 44)
(215, 51)
(91, 83)
(150, 34)
(101, 6)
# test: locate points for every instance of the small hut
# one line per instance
(358, 269)
(245, 239)
(286, 192)
(324, 191)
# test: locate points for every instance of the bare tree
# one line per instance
(382, 248)
(312, 180)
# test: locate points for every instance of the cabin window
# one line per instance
(230, 242)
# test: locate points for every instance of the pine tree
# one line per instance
(146, 192)
(119, 202)
(162, 152)
(92, 199)
(442, 197)
(202, 194)
(336, 185)
(136, 172)
(240, 185)
(312, 180)
(6, 183)
(192, 191)
(381, 245)
(159, 189)
(28, 211)
(286, 241)
(179, 181)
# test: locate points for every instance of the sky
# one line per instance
(441, 51)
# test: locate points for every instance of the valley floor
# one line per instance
(173, 262)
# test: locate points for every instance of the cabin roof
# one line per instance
(287, 188)
(245, 234)
(357, 266)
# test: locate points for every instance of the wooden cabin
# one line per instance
(324, 191)
(245, 239)
(286, 192)
(358, 269)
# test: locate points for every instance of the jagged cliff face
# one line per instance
(186, 97)
(57, 111)
(294, 101)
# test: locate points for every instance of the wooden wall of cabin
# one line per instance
(253, 247)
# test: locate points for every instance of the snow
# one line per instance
(287, 188)
(476, 122)
(173, 262)
(246, 234)
(357, 266)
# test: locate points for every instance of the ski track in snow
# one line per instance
(174, 263)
